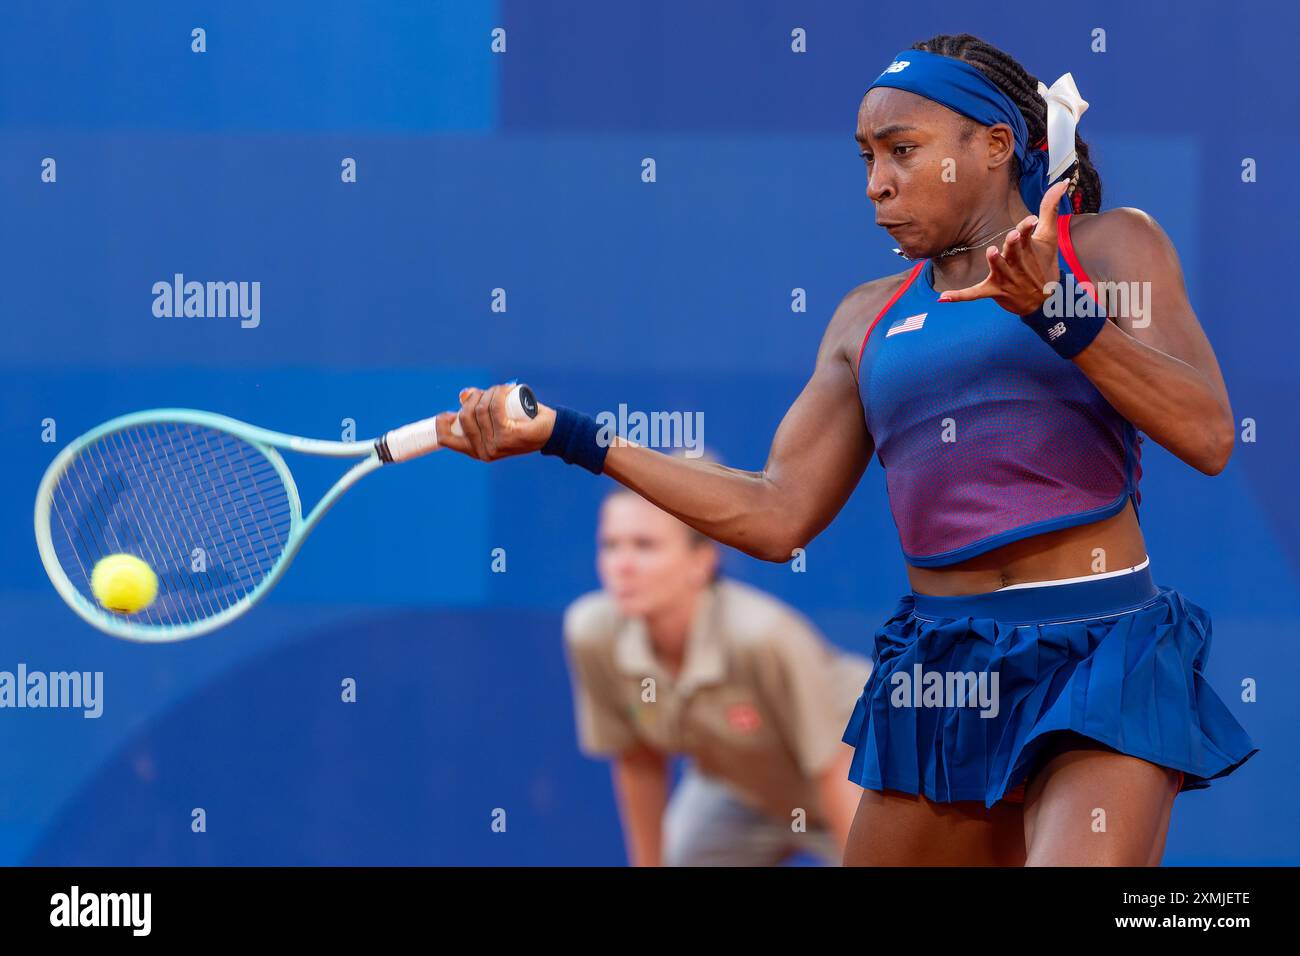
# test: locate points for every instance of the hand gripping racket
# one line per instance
(205, 500)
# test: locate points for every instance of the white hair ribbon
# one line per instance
(1065, 107)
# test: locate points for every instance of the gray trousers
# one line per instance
(707, 824)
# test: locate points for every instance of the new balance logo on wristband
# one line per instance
(1066, 340)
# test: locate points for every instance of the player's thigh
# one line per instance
(706, 824)
(1088, 805)
(899, 829)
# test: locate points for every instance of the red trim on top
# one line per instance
(916, 270)
(1067, 249)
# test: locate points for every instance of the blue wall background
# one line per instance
(522, 171)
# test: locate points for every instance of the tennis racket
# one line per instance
(205, 500)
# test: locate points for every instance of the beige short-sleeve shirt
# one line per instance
(761, 700)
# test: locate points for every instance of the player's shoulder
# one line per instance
(591, 621)
(1124, 235)
(867, 299)
(858, 309)
(754, 620)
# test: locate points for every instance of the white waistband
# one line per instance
(1086, 577)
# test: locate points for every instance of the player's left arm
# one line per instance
(1153, 363)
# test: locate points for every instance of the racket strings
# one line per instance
(208, 512)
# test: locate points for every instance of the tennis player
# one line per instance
(670, 659)
(1008, 427)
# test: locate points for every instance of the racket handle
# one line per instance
(521, 403)
(420, 438)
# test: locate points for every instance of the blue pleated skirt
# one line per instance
(966, 689)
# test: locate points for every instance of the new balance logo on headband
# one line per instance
(898, 66)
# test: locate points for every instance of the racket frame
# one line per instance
(266, 442)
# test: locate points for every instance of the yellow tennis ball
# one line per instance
(123, 583)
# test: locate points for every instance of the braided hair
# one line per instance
(1022, 89)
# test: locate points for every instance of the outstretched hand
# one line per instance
(1020, 274)
(487, 432)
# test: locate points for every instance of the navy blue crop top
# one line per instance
(986, 435)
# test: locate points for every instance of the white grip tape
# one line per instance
(420, 438)
(514, 409)
(413, 440)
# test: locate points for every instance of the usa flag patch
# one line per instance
(909, 324)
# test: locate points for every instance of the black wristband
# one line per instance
(1067, 335)
(575, 439)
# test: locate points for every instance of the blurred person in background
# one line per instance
(671, 659)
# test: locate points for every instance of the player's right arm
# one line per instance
(819, 453)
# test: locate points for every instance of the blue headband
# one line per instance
(965, 90)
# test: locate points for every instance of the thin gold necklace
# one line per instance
(977, 243)
(956, 249)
